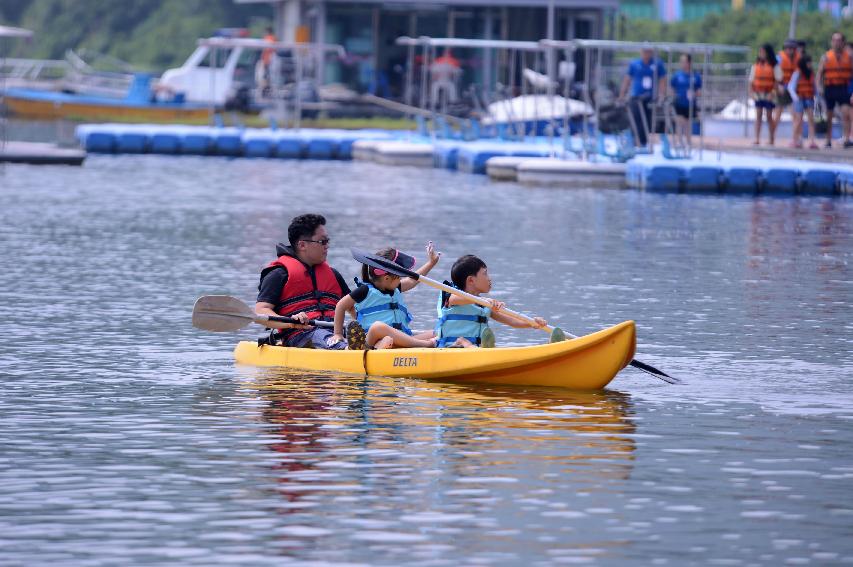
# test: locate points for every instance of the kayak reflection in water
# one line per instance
(300, 284)
(461, 322)
(380, 308)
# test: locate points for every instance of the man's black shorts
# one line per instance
(836, 95)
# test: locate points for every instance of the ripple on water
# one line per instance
(128, 437)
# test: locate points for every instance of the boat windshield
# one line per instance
(220, 55)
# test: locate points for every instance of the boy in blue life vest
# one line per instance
(462, 323)
(382, 317)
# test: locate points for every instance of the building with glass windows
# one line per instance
(368, 29)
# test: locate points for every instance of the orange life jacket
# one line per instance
(837, 72)
(788, 66)
(805, 87)
(266, 54)
(763, 80)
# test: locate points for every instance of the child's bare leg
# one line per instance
(465, 343)
(383, 343)
(381, 330)
(424, 335)
(810, 116)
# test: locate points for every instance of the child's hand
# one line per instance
(334, 339)
(540, 322)
(432, 254)
(497, 305)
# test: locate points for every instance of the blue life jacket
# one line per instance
(379, 306)
(460, 321)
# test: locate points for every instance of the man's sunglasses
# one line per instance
(321, 242)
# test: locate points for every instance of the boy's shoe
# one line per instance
(356, 337)
(557, 335)
(487, 338)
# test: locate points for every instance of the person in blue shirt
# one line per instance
(646, 78)
(686, 86)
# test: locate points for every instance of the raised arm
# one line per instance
(408, 283)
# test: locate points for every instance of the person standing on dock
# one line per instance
(266, 62)
(833, 75)
(687, 86)
(300, 284)
(802, 89)
(765, 79)
(789, 57)
(646, 78)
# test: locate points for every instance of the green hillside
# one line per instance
(158, 34)
(747, 27)
(150, 34)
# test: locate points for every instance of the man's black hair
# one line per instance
(465, 266)
(303, 227)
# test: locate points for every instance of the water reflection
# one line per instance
(419, 460)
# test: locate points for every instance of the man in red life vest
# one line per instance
(300, 284)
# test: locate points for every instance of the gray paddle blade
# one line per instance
(557, 335)
(221, 313)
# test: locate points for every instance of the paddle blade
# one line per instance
(383, 264)
(221, 313)
(649, 369)
(557, 335)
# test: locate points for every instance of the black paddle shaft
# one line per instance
(313, 322)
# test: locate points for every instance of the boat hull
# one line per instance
(585, 363)
(53, 109)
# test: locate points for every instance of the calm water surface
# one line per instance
(129, 437)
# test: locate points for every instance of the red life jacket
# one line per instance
(315, 293)
(837, 72)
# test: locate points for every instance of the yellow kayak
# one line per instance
(585, 363)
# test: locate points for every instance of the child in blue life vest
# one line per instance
(382, 317)
(462, 323)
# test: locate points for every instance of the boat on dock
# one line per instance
(584, 363)
(138, 105)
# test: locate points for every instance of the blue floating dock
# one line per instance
(471, 157)
(745, 180)
(728, 173)
(225, 141)
(738, 174)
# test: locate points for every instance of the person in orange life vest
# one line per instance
(444, 72)
(788, 59)
(380, 308)
(300, 284)
(833, 78)
(266, 60)
(802, 89)
(765, 77)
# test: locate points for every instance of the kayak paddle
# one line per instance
(223, 313)
(394, 268)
